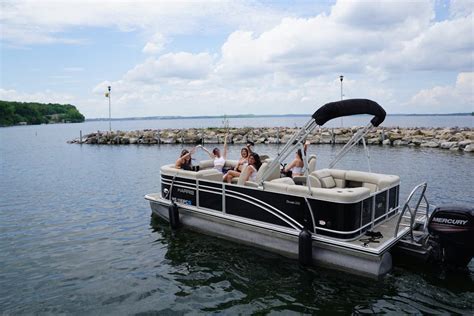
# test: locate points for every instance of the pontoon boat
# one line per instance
(344, 219)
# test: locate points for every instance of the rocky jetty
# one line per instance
(454, 139)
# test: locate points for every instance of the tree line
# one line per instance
(13, 113)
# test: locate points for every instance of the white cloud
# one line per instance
(445, 45)
(445, 99)
(267, 64)
(172, 65)
(155, 45)
(294, 65)
(354, 37)
(382, 15)
(26, 22)
(461, 8)
(46, 96)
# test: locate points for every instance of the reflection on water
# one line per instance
(223, 276)
(76, 237)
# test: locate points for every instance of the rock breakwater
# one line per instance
(454, 139)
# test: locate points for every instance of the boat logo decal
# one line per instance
(451, 221)
(293, 202)
(186, 191)
(182, 201)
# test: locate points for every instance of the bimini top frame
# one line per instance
(324, 114)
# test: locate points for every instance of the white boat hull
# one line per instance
(275, 240)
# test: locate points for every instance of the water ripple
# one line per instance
(76, 238)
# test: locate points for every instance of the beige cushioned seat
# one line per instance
(243, 175)
(373, 181)
(342, 178)
(209, 164)
(325, 178)
(311, 163)
(338, 195)
(341, 195)
(209, 174)
(275, 186)
(275, 174)
(284, 180)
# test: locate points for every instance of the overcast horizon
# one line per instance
(194, 58)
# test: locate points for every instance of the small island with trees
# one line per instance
(30, 113)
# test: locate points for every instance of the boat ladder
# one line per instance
(418, 214)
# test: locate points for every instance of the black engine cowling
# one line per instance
(451, 231)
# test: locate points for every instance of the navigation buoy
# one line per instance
(305, 249)
(173, 215)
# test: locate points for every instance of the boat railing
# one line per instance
(294, 143)
(421, 188)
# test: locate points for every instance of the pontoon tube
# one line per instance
(333, 110)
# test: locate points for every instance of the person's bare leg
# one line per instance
(232, 174)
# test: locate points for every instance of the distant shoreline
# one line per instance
(248, 116)
(454, 139)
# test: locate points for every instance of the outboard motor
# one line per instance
(451, 230)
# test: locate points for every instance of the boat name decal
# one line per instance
(450, 221)
(186, 191)
(183, 201)
(293, 202)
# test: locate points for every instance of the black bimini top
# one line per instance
(333, 110)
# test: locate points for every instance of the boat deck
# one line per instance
(378, 245)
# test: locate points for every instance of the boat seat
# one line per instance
(209, 164)
(275, 174)
(301, 190)
(209, 174)
(284, 180)
(337, 195)
(325, 179)
(243, 175)
(278, 185)
(334, 178)
(373, 181)
(341, 195)
(311, 163)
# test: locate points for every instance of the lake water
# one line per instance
(76, 235)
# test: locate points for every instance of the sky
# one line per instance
(237, 57)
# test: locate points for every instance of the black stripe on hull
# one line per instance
(293, 206)
(345, 220)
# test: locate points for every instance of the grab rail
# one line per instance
(413, 212)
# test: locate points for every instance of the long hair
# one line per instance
(256, 157)
(187, 163)
(246, 150)
(298, 152)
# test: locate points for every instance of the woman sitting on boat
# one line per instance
(184, 160)
(219, 160)
(254, 165)
(296, 166)
(241, 164)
